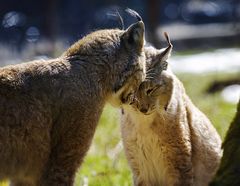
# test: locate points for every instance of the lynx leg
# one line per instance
(137, 180)
(22, 183)
(141, 183)
(57, 176)
(62, 167)
(65, 159)
(180, 174)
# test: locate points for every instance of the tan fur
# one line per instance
(49, 109)
(167, 140)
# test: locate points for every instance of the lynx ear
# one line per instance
(167, 52)
(133, 37)
(163, 54)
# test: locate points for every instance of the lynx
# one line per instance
(49, 109)
(167, 140)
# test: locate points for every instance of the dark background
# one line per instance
(24, 22)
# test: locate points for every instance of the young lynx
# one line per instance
(49, 109)
(167, 140)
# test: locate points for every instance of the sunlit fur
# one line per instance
(167, 140)
(49, 109)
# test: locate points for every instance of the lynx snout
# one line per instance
(144, 109)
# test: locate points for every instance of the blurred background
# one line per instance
(206, 57)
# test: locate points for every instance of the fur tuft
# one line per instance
(134, 14)
(120, 19)
(168, 38)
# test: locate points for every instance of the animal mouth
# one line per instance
(147, 113)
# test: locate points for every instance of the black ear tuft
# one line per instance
(164, 54)
(168, 39)
(134, 13)
(120, 20)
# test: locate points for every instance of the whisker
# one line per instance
(150, 70)
(149, 78)
(162, 117)
(151, 73)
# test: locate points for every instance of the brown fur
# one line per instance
(49, 109)
(167, 140)
(229, 170)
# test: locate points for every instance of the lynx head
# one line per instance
(154, 94)
(120, 55)
(157, 84)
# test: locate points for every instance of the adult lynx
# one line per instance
(49, 109)
(167, 140)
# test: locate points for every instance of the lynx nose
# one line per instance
(144, 110)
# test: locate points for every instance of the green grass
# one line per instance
(3, 183)
(105, 166)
